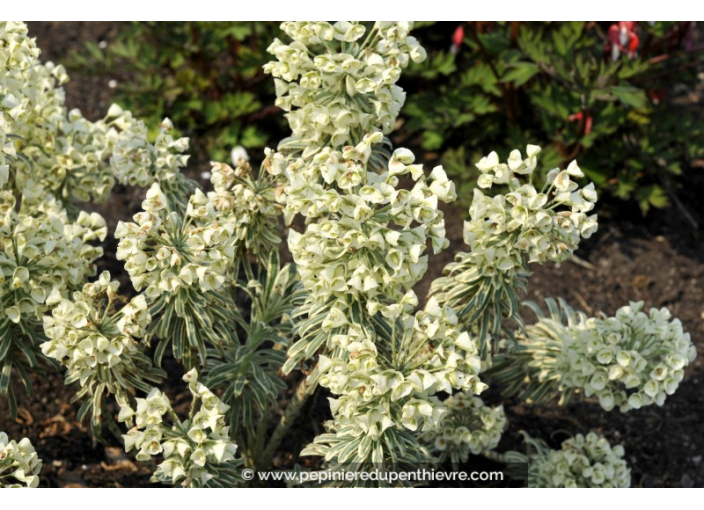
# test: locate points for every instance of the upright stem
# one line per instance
(303, 392)
(260, 436)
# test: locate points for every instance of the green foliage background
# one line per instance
(205, 76)
(506, 85)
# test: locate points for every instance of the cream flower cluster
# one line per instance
(137, 162)
(338, 82)
(67, 153)
(508, 231)
(49, 145)
(627, 361)
(585, 462)
(19, 464)
(631, 360)
(365, 238)
(540, 226)
(195, 449)
(19, 83)
(248, 206)
(18, 57)
(396, 386)
(362, 251)
(469, 427)
(165, 251)
(45, 254)
(95, 342)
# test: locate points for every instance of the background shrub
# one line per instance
(205, 76)
(558, 85)
(502, 84)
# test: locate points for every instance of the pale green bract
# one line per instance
(197, 451)
(587, 462)
(429, 354)
(45, 256)
(19, 464)
(138, 162)
(165, 251)
(469, 427)
(364, 238)
(40, 140)
(96, 345)
(537, 226)
(362, 251)
(337, 82)
(182, 265)
(75, 159)
(245, 205)
(506, 233)
(630, 360)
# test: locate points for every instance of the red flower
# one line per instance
(457, 38)
(623, 38)
(633, 44)
(578, 117)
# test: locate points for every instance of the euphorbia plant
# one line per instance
(404, 379)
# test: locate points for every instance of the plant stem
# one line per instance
(495, 456)
(303, 392)
(260, 435)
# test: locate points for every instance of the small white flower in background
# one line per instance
(237, 154)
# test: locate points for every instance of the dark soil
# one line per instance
(658, 260)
